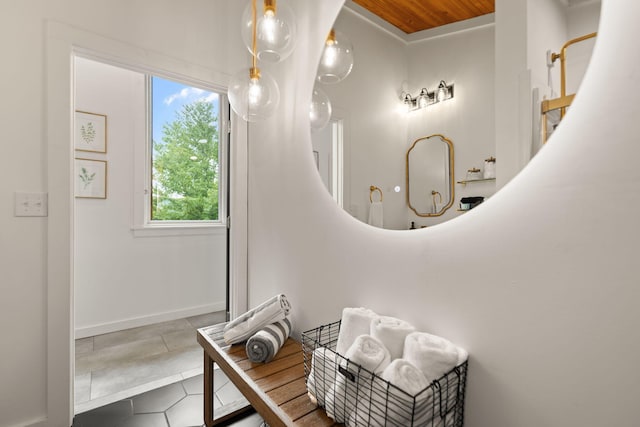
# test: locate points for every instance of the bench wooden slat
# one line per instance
(280, 378)
(288, 391)
(276, 390)
(275, 366)
(315, 419)
(299, 407)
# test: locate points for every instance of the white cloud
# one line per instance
(188, 93)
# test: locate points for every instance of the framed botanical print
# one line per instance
(90, 133)
(90, 178)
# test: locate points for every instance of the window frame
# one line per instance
(143, 224)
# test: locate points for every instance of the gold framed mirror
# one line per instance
(430, 175)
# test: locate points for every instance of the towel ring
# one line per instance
(372, 189)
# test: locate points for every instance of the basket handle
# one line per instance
(349, 375)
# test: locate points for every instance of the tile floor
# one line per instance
(176, 405)
(121, 364)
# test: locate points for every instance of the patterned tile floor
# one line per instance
(174, 405)
(122, 364)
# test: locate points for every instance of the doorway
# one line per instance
(141, 287)
(328, 152)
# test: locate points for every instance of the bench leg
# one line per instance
(208, 390)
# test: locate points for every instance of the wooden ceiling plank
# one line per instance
(417, 15)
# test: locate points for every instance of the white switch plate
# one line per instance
(30, 204)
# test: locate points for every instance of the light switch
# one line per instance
(30, 204)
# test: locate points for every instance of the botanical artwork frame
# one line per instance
(90, 178)
(90, 133)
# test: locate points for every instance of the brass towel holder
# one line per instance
(372, 190)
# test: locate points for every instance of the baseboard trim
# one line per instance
(119, 325)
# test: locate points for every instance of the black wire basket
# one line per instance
(352, 395)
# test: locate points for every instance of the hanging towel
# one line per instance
(391, 332)
(270, 311)
(376, 214)
(355, 321)
(262, 346)
(433, 355)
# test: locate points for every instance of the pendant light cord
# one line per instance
(254, 35)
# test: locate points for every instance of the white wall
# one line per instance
(123, 280)
(546, 31)
(194, 37)
(465, 59)
(582, 19)
(540, 287)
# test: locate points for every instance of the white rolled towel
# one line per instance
(366, 355)
(270, 311)
(369, 353)
(406, 376)
(355, 321)
(392, 333)
(408, 403)
(433, 355)
(322, 375)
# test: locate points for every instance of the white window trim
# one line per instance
(142, 226)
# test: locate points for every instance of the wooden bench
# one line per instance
(276, 390)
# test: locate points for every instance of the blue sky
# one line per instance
(168, 97)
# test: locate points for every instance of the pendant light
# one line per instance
(253, 94)
(320, 110)
(336, 61)
(275, 30)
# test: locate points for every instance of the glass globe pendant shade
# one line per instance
(253, 94)
(275, 30)
(320, 110)
(336, 61)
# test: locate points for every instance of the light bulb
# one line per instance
(275, 31)
(336, 61)
(423, 98)
(320, 110)
(442, 91)
(253, 94)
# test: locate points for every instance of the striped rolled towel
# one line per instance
(264, 344)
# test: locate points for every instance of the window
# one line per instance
(187, 138)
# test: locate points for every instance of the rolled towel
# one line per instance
(406, 376)
(340, 399)
(433, 355)
(366, 356)
(354, 322)
(270, 311)
(264, 344)
(391, 332)
(403, 404)
(369, 353)
(322, 375)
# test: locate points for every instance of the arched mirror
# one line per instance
(377, 131)
(429, 183)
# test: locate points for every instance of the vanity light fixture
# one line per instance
(426, 98)
(275, 30)
(253, 94)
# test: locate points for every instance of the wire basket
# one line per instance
(352, 395)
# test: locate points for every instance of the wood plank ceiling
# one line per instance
(416, 15)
